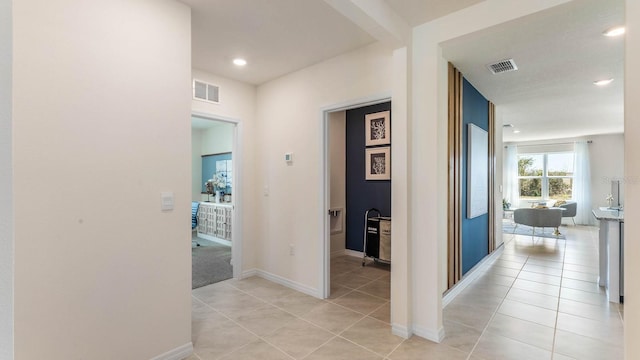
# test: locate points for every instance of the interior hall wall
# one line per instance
(100, 271)
(362, 194)
(6, 183)
(337, 177)
(238, 104)
(475, 232)
(290, 118)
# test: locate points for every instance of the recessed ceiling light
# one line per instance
(516, 131)
(602, 82)
(616, 31)
(239, 62)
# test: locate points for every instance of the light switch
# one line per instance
(166, 201)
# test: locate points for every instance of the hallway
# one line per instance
(538, 300)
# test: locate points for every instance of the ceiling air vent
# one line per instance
(206, 92)
(502, 66)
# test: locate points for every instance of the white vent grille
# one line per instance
(502, 66)
(206, 92)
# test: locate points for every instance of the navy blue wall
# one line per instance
(362, 195)
(475, 232)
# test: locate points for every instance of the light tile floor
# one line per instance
(538, 300)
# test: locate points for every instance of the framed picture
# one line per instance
(378, 163)
(377, 129)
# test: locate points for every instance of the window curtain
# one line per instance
(511, 188)
(582, 184)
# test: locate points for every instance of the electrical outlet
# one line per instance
(292, 249)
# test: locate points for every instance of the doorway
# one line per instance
(345, 152)
(213, 195)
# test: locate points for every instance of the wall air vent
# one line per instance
(502, 66)
(206, 92)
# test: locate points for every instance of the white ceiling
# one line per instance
(560, 52)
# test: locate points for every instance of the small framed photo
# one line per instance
(377, 129)
(378, 163)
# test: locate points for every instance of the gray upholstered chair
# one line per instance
(570, 210)
(538, 218)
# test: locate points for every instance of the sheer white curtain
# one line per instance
(511, 188)
(582, 184)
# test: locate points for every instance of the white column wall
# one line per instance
(6, 184)
(632, 182)
(401, 275)
(429, 166)
(101, 127)
(290, 120)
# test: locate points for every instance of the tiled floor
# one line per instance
(539, 300)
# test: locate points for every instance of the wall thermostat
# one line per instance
(288, 157)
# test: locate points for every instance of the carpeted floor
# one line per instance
(508, 228)
(210, 263)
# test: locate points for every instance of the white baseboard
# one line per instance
(179, 353)
(248, 273)
(470, 276)
(401, 330)
(283, 281)
(435, 336)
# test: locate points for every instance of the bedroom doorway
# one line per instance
(213, 206)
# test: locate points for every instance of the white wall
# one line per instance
(338, 176)
(217, 139)
(196, 164)
(6, 185)
(606, 154)
(632, 181)
(100, 271)
(238, 103)
(290, 120)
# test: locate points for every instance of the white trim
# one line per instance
(237, 214)
(249, 273)
(401, 330)
(179, 353)
(324, 252)
(435, 336)
(470, 276)
(283, 281)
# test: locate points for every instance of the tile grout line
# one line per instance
(495, 311)
(555, 327)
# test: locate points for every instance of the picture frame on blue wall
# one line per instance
(377, 128)
(378, 163)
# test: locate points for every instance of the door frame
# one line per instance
(325, 192)
(237, 168)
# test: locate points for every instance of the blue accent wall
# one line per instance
(475, 232)
(361, 194)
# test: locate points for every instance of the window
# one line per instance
(545, 176)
